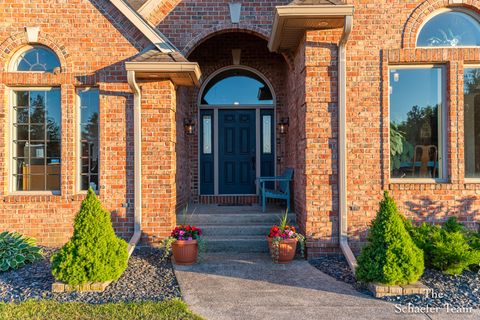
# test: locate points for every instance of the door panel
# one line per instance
(236, 155)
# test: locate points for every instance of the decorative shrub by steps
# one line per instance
(94, 253)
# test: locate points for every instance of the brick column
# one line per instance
(158, 159)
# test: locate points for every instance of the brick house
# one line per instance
(357, 97)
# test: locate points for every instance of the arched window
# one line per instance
(452, 28)
(36, 59)
(237, 87)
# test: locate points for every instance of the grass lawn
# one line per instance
(51, 310)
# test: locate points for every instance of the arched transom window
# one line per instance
(36, 59)
(237, 87)
(452, 28)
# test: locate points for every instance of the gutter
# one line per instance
(342, 141)
(137, 138)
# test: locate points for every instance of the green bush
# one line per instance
(94, 253)
(17, 250)
(450, 248)
(390, 257)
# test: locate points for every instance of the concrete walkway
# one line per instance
(250, 286)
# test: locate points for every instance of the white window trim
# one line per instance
(10, 162)
(78, 135)
(443, 143)
(466, 11)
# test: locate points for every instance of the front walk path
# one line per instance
(250, 286)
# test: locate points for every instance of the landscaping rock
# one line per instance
(148, 277)
(461, 291)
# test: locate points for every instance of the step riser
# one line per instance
(243, 230)
(235, 219)
(251, 246)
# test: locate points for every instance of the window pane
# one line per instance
(21, 115)
(36, 162)
(20, 132)
(38, 58)
(415, 122)
(472, 122)
(450, 29)
(267, 134)
(224, 89)
(207, 134)
(89, 135)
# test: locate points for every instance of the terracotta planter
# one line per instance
(286, 250)
(185, 251)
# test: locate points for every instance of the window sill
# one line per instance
(34, 193)
(472, 180)
(418, 181)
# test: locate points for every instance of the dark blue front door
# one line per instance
(236, 151)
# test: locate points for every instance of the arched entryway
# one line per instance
(242, 92)
(237, 131)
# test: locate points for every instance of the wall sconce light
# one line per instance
(283, 125)
(188, 125)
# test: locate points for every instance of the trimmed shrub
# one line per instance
(17, 250)
(450, 248)
(391, 256)
(94, 253)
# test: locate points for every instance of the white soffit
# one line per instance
(290, 22)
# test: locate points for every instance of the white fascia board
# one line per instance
(157, 38)
(284, 13)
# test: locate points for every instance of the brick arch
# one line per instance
(15, 42)
(424, 11)
(223, 28)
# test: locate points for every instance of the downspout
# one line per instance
(342, 141)
(137, 142)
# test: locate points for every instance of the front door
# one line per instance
(236, 151)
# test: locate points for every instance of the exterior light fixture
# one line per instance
(189, 126)
(283, 125)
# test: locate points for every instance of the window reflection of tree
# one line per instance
(90, 138)
(412, 132)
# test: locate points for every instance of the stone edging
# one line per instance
(86, 287)
(381, 290)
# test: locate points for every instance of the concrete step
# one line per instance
(228, 230)
(239, 244)
(235, 219)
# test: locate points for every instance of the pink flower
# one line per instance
(190, 238)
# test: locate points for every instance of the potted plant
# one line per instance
(282, 241)
(183, 242)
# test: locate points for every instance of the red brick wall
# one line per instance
(191, 21)
(92, 39)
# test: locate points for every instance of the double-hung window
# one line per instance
(36, 139)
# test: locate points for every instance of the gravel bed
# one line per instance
(148, 277)
(462, 291)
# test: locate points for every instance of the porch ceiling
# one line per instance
(291, 21)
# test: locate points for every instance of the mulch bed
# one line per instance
(148, 277)
(462, 291)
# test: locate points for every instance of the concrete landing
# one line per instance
(250, 286)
